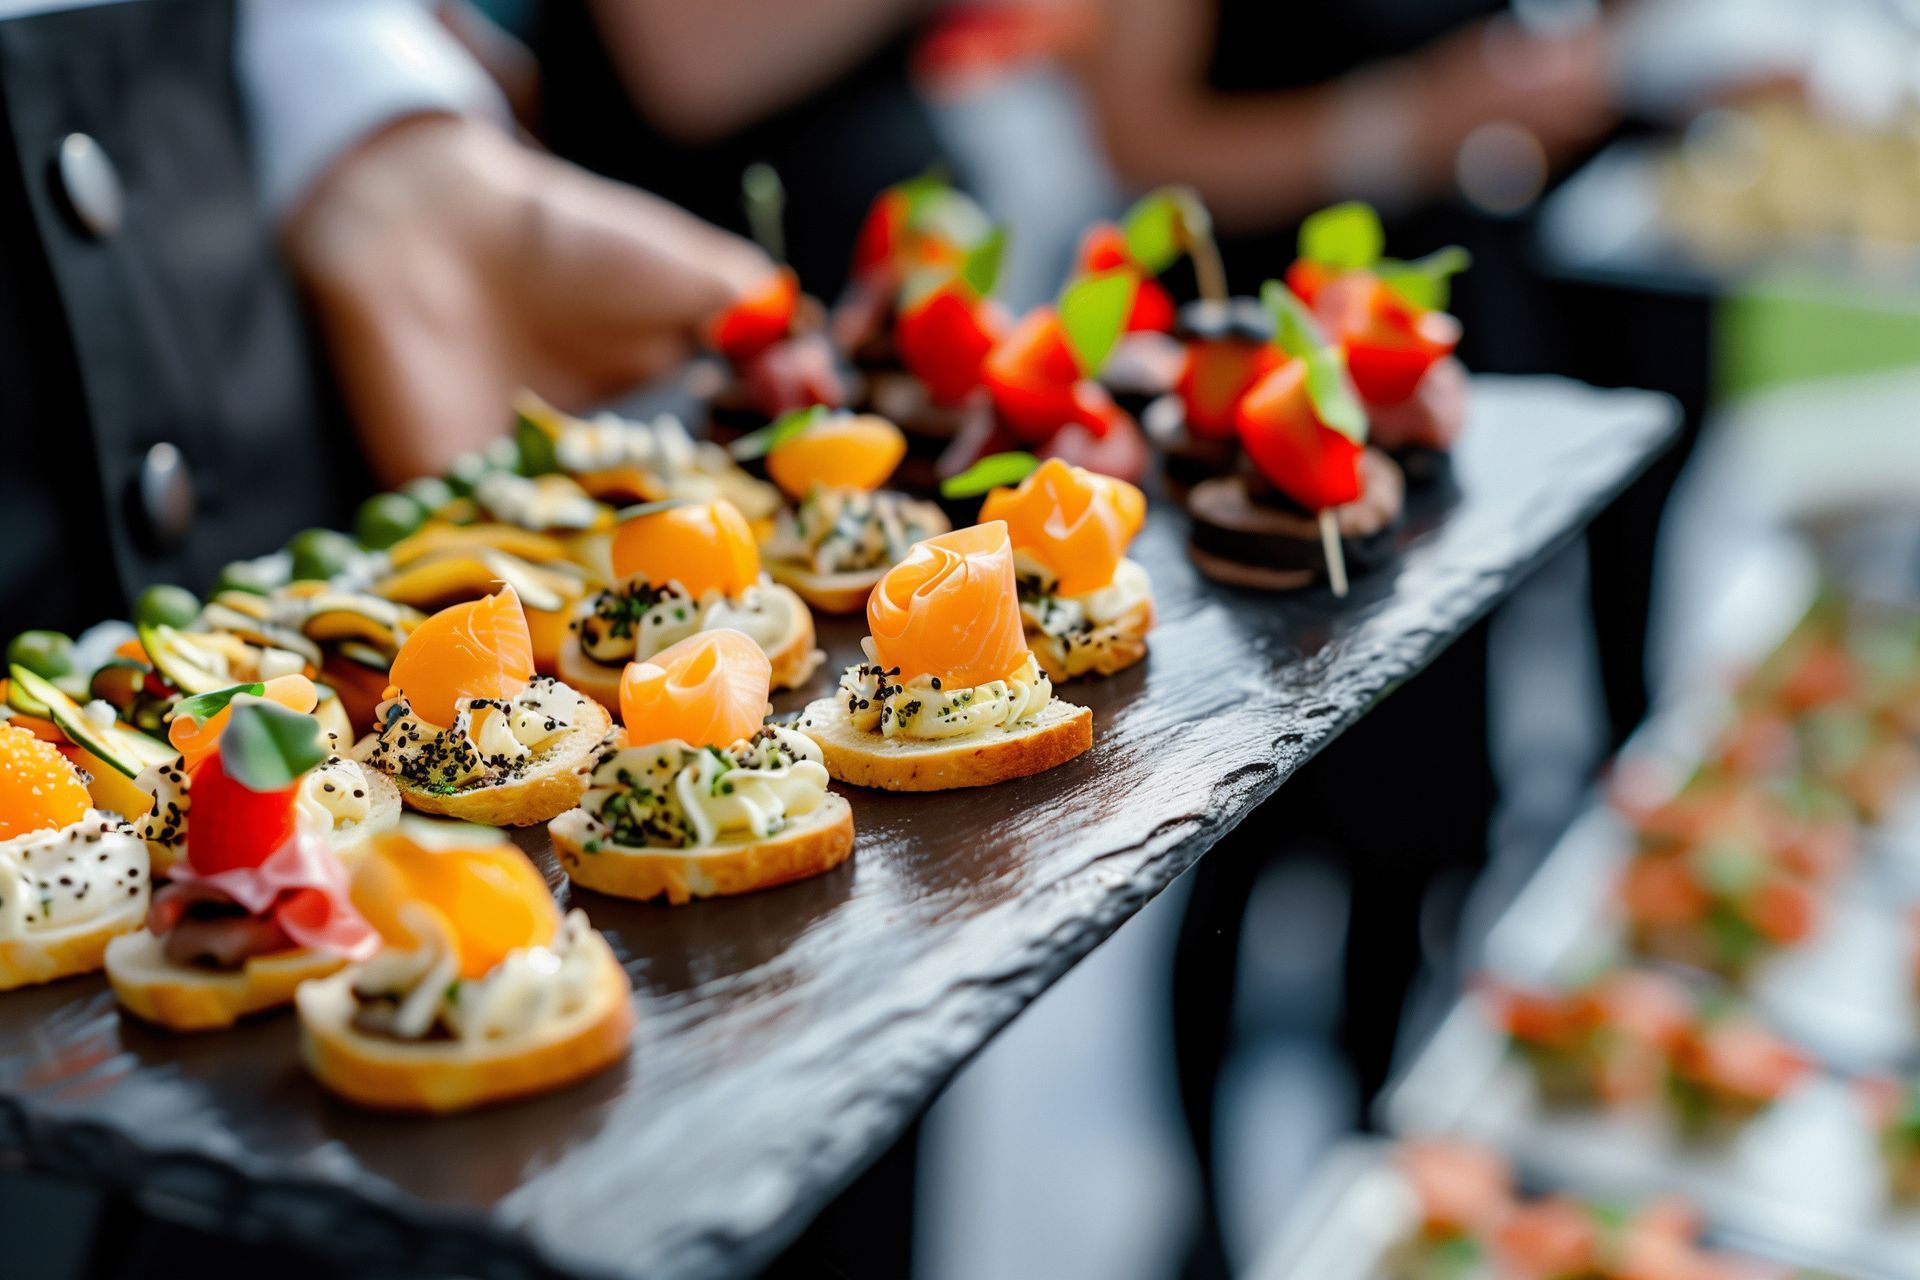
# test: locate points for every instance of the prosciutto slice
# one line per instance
(299, 892)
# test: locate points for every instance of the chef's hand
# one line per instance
(451, 265)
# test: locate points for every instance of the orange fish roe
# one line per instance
(704, 546)
(39, 789)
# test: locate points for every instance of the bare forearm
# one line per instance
(701, 69)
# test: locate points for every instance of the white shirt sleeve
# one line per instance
(319, 75)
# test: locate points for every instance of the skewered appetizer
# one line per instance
(1389, 319)
(619, 461)
(71, 877)
(1042, 393)
(469, 731)
(1606, 1042)
(258, 903)
(1226, 347)
(843, 530)
(1149, 238)
(1086, 607)
(1726, 875)
(1464, 1221)
(480, 992)
(1314, 498)
(681, 568)
(777, 357)
(708, 799)
(341, 800)
(950, 695)
(1726, 1068)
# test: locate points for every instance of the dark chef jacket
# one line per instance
(161, 411)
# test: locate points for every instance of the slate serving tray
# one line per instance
(785, 1038)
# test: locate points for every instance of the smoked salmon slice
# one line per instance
(1075, 522)
(480, 649)
(950, 609)
(710, 690)
(39, 788)
(852, 451)
(478, 894)
(704, 546)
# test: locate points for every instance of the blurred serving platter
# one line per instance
(788, 1037)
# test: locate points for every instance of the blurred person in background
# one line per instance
(171, 166)
(1271, 113)
(682, 97)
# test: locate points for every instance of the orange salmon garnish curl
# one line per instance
(710, 690)
(469, 887)
(704, 546)
(1075, 522)
(39, 788)
(849, 451)
(951, 610)
(480, 649)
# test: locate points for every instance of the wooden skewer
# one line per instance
(1208, 272)
(1336, 556)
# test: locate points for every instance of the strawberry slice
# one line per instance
(1315, 465)
(758, 320)
(943, 339)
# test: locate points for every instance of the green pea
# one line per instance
(465, 473)
(247, 575)
(164, 604)
(431, 492)
(385, 518)
(320, 553)
(45, 653)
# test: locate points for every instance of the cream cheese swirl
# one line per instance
(637, 619)
(416, 993)
(925, 708)
(672, 795)
(70, 876)
(490, 739)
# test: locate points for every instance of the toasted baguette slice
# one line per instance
(1059, 733)
(156, 990)
(1122, 643)
(46, 955)
(827, 592)
(452, 1075)
(547, 789)
(815, 842)
(794, 660)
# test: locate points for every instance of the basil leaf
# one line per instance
(1425, 282)
(1346, 237)
(1296, 333)
(981, 269)
(1331, 391)
(1163, 225)
(1093, 315)
(758, 444)
(1294, 329)
(990, 472)
(536, 446)
(266, 747)
(639, 509)
(205, 706)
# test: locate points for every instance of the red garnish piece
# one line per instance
(1216, 374)
(230, 824)
(758, 320)
(1310, 462)
(1036, 384)
(1390, 344)
(1103, 248)
(943, 339)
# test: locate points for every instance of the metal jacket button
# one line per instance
(91, 185)
(166, 494)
